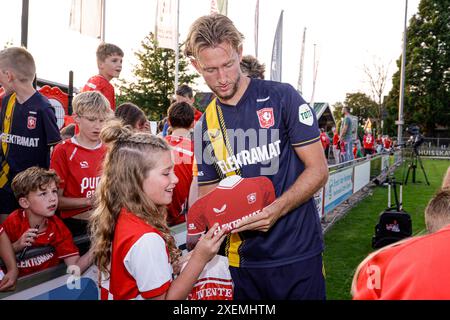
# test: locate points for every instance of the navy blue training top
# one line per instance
(269, 121)
(33, 130)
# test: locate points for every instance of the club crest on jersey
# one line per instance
(266, 118)
(251, 198)
(305, 115)
(31, 122)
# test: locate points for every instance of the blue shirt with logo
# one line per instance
(269, 121)
(33, 130)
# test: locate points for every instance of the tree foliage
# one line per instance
(360, 105)
(427, 71)
(154, 78)
(337, 112)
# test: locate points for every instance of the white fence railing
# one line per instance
(348, 178)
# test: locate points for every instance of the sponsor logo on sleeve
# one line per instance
(305, 115)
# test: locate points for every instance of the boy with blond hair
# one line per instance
(78, 160)
(35, 224)
(109, 62)
(28, 126)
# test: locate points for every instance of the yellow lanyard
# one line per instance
(218, 135)
(6, 129)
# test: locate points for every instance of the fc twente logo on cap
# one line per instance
(266, 118)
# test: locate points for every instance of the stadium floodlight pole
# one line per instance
(400, 121)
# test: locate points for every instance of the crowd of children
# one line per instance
(49, 197)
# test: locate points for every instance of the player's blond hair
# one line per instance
(209, 32)
(92, 103)
(20, 62)
(129, 158)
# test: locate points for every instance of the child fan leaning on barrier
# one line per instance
(131, 242)
(35, 224)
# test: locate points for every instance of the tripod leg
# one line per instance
(423, 170)
(407, 174)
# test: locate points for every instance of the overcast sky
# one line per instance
(347, 34)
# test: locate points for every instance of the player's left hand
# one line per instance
(262, 221)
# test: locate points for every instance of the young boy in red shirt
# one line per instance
(109, 61)
(181, 119)
(35, 224)
(78, 161)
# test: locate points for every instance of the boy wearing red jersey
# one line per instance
(35, 225)
(78, 161)
(109, 61)
(181, 119)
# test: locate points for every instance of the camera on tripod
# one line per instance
(415, 141)
(416, 138)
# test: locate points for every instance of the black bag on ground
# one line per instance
(395, 224)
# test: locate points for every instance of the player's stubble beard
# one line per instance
(233, 92)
